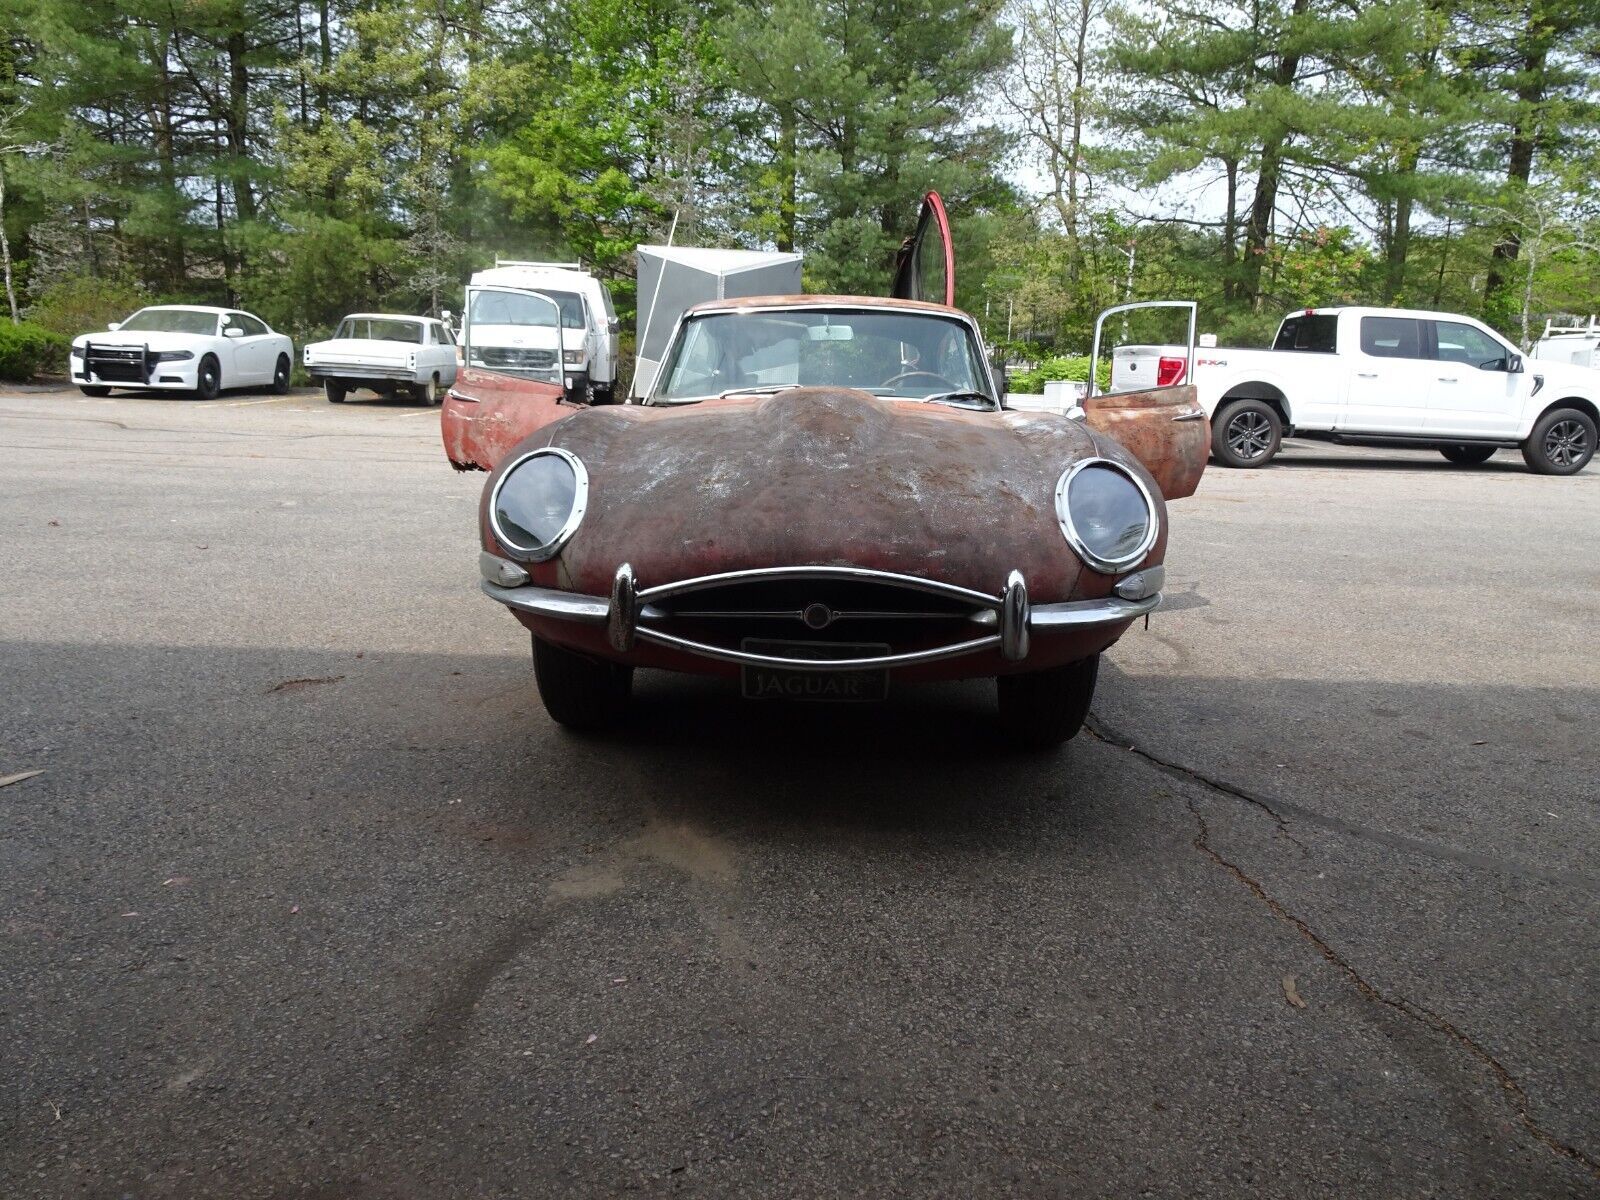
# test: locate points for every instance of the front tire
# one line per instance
(334, 391)
(280, 376)
(1467, 456)
(1562, 442)
(208, 383)
(1246, 433)
(94, 389)
(582, 693)
(1039, 710)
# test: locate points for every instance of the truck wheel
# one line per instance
(93, 389)
(580, 692)
(1246, 433)
(428, 393)
(280, 376)
(1042, 709)
(605, 395)
(1562, 443)
(333, 390)
(1468, 456)
(209, 381)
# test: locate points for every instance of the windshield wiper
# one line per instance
(958, 395)
(760, 389)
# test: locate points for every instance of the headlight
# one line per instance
(76, 352)
(1106, 514)
(572, 357)
(537, 504)
(173, 355)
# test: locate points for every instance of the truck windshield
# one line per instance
(904, 355)
(1315, 332)
(380, 329)
(507, 308)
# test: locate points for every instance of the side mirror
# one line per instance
(614, 326)
(114, 326)
(233, 331)
(1514, 365)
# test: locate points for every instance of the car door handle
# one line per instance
(1366, 374)
(1447, 379)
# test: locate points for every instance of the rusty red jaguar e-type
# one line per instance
(820, 494)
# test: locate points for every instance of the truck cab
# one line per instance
(514, 335)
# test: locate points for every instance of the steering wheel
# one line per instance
(904, 375)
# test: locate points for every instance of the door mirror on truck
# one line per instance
(1514, 364)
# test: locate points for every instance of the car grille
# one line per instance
(513, 356)
(117, 364)
(818, 612)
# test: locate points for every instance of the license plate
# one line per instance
(791, 683)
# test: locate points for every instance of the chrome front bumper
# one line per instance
(1007, 619)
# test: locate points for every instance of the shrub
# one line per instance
(26, 350)
(84, 303)
(1075, 368)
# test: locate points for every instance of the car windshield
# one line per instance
(172, 320)
(380, 329)
(509, 308)
(905, 355)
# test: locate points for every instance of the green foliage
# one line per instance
(77, 303)
(1051, 370)
(27, 350)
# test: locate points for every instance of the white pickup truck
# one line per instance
(1382, 376)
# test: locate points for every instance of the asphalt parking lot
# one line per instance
(312, 900)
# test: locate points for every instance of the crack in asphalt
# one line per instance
(1277, 807)
(1508, 1083)
(1120, 741)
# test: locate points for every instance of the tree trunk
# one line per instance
(1230, 233)
(789, 187)
(1259, 227)
(1519, 167)
(5, 253)
(237, 123)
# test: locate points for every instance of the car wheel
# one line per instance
(93, 389)
(334, 391)
(1246, 433)
(280, 376)
(428, 393)
(1468, 456)
(578, 691)
(1042, 709)
(1562, 443)
(208, 383)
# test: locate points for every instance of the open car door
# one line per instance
(1165, 428)
(511, 380)
(925, 267)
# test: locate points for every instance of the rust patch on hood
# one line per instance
(815, 476)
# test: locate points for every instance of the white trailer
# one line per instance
(672, 278)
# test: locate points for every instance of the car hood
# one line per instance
(138, 338)
(367, 350)
(1562, 379)
(815, 476)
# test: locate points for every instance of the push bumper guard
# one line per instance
(629, 614)
(116, 364)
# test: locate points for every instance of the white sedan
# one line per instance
(388, 354)
(181, 347)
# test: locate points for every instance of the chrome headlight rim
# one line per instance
(580, 504)
(1105, 566)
